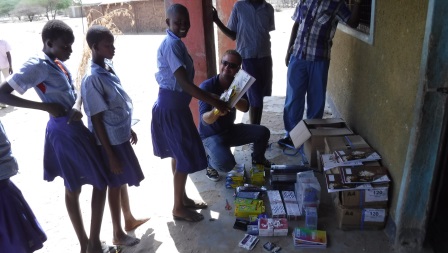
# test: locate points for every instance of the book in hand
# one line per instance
(241, 83)
(364, 174)
(357, 154)
(309, 238)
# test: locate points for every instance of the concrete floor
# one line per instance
(153, 198)
(217, 235)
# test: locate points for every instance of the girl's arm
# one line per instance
(100, 131)
(181, 76)
(76, 114)
(55, 109)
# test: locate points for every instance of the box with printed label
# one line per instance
(360, 218)
(377, 196)
(311, 133)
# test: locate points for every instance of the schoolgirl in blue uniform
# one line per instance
(173, 131)
(70, 151)
(110, 113)
(20, 232)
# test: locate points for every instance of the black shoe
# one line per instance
(286, 142)
(212, 174)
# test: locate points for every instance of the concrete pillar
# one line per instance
(417, 185)
(199, 42)
(224, 8)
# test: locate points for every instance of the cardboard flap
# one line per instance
(299, 134)
(317, 127)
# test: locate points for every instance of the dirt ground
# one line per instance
(135, 62)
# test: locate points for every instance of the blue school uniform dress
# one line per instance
(70, 151)
(173, 131)
(20, 231)
(102, 92)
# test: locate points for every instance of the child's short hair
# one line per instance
(96, 33)
(176, 8)
(55, 29)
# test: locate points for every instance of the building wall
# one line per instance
(136, 17)
(150, 16)
(374, 87)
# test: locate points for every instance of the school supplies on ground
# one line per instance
(236, 177)
(248, 242)
(309, 238)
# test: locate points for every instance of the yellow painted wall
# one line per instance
(374, 87)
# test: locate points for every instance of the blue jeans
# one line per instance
(218, 146)
(305, 78)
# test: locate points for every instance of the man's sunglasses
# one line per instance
(230, 65)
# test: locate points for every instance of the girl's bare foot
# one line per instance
(134, 223)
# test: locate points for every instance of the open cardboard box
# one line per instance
(312, 132)
(334, 143)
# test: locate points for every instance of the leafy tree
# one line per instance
(53, 6)
(28, 8)
(6, 6)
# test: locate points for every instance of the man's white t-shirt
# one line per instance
(4, 48)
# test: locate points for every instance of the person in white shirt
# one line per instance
(5, 62)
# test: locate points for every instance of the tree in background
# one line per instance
(7, 6)
(28, 8)
(33, 8)
(53, 6)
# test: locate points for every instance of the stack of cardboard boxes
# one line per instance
(363, 203)
(358, 206)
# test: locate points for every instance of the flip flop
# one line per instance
(197, 205)
(193, 218)
(129, 244)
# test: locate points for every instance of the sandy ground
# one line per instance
(135, 62)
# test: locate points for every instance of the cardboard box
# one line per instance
(272, 227)
(360, 218)
(376, 197)
(344, 142)
(312, 132)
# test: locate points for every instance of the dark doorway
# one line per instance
(437, 235)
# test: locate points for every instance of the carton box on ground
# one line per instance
(376, 197)
(272, 227)
(360, 218)
(311, 133)
(333, 143)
